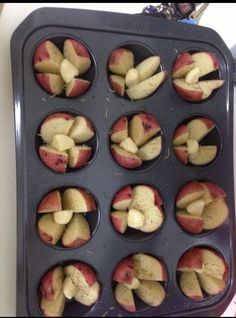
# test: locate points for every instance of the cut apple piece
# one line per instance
(53, 159)
(63, 217)
(81, 130)
(211, 285)
(81, 275)
(119, 220)
(211, 192)
(153, 219)
(180, 136)
(47, 58)
(192, 146)
(124, 158)
(189, 193)
(124, 272)
(215, 214)
(50, 203)
(181, 153)
(151, 149)
(206, 61)
(129, 145)
(199, 127)
(119, 131)
(190, 286)
(120, 61)
(134, 284)
(125, 298)
(53, 308)
(79, 156)
(88, 296)
(214, 264)
(122, 199)
(152, 293)
(117, 84)
(191, 223)
(207, 87)
(191, 261)
(69, 289)
(49, 231)
(148, 67)
(131, 77)
(192, 76)
(205, 155)
(68, 71)
(62, 142)
(148, 268)
(145, 197)
(52, 83)
(78, 200)
(51, 284)
(192, 93)
(183, 64)
(77, 87)
(135, 219)
(77, 232)
(146, 87)
(196, 207)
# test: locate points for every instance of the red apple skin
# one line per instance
(80, 86)
(182, 60)
(181, 154)
(79, 48)
(46, 285)
(50, 203)
(48, 159)
(190, 95)
(190, 187)
(58, 115)
(148, 122)
(123, 195)
(83, 158)
(120, 124)
(76, 243)
(180, 131)
(90, 202)
(117, 223)
(119, 89)
(41, 53)
(124, 272)
(126, 162)
(45, 236)
(214, 59)
(194, 226)
(208, 122)
(44, 81)
(215, 191)
(87, 272)
(191, 259)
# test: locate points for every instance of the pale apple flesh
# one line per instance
(212, 192)
(53, 159)
(53, 308)
(69, 289)
(205, 155)
(81, 274)
(63, 217)
(206, 61)
(62, 142)
(117, 84)
(78, 200)
(189, 192)
(153, 219)
(81, 130)
(148, 67)
(190, 286)
(124, 297)
(191, 223)
(119, 220)
(120, 61)
(79, 156)
(77, 87)
(49, 231)
(129, 145)
(51, 284)
(52, 83)
(181, 135)
(144, 197)
(199, 127)
(183, 64)
(211, 285)
(68, 71)
(122, 199)
(88, 296)
(151, 149)
(119, 130)
(151, 292)
(215, 214)
(124, 158)
(214, 264)
(135, 219)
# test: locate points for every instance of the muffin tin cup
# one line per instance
(104, 177)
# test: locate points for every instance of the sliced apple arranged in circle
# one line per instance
(187, 73)
(138, 207)
(203, 271)
(64, 136)
(143, 275)
(138, 81)
(64, 219)
(136, 140)
(201, 206)
(186, 141)
(75, 282)
(58, 72)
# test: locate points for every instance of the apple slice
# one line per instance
(57, 123)
(192, 76)
(199, 127)
(79, 156)
(49, 231)
(183, 64)
(193, 147)
(207, 87)
(53, 159)
(69, 289)
(129, 145)
(131, 77)
(214, 264)
(215, 214)
(53, 308)
(63, 217)
(152, 293)
(180, 136)
(119, 220)
(62, 142)
(191, 261)
(211, 285)
(117, 84)
(153, 219)
(119, 131)
(148, 268)
(192, 93)
(196, 207)
(50, 203)
(125, 298)
(52, 83)
(88, 296)
(78, 200)
(191, 223)
(211, 192)
(134, 284)
(190, 286)
(122, 199)
(145, 197)
(205, 155)
(77, 232)
(148, 67)
(81, 275)
(124, 158)
(135, 219)
(68, 71)
(151, 149)
(81, 130)
(47, 58)
(147, 87)
(77, 87)
(77, 54)
(124, 272)
(181, 153)
(120, 61)
(143, 127)
(189, 193)
(206, 61)
(51, 283)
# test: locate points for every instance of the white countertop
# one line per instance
(11, 16)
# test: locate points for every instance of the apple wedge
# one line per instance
(79, 156)
(77, 232)
(190, 286)
(134, 284)
(81, 275)
(191, 261)
(119, 131)
(183, 64)
(124, 158)
(191, 223)
(135, 219)
(120, 61)
(77, 54)
(62, 142)
(124, 272)
(47, 58)
(145, 197)
(193, 147)
(124, 297)
(199, 127)
(117, 83)
(49, 231)
(211, 192)
(68, 71)
(63, 217)
(148, 67)
(50, 203)
(215, 214)
(209, 86)
(192, 93)
(53, 159)
(88, 296)
(189, 193)
(206, 61)
(192, 76)
(53, 308)
(181, 153)
(122, 199)
(148, 268)
(129, 145)
(153, 219)
(147, 87)
(52, 83)
(143, 127)
(205, 155)
(214, 264)
(131, 77)
(181, 135)
(151, 149)
(211, 285)
(152, 293)
(82, 130)
(78, 200)
(196, 207)
(77, 87)
(119, 220)
(51, 283)
(69, 289)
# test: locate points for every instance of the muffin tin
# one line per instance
(102, 32)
